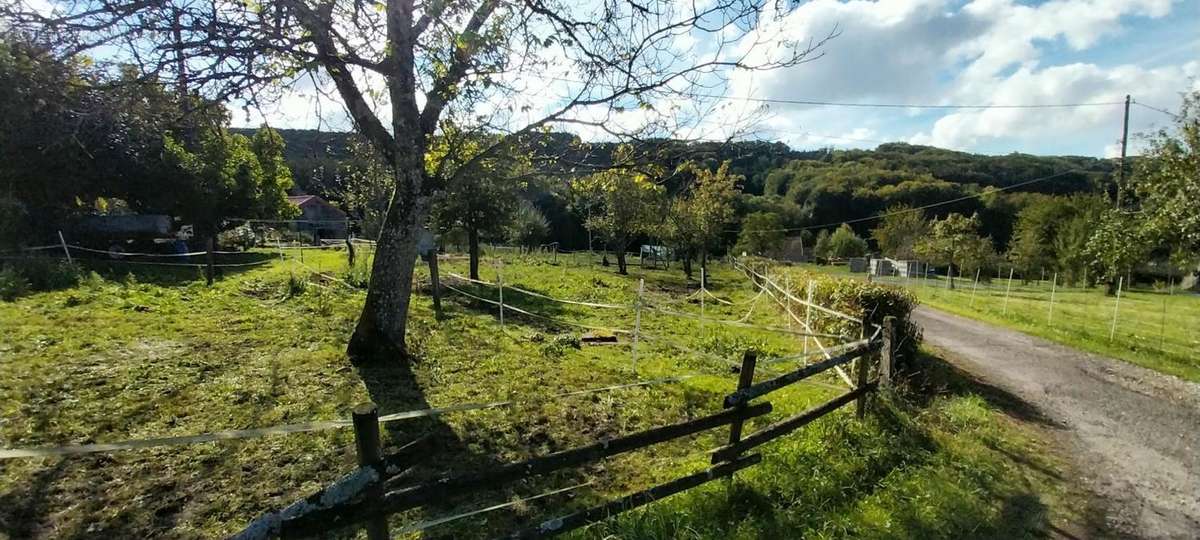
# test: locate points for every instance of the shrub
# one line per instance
(42, 274)
(869, 301)
(12, 284)
(241, 237)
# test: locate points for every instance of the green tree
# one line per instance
(698, 218)
(1167, 183)
(762, 234)
(821, 246)
(222, 177)
(1117, 244)
(899, 231)
(955, 241)
(628, 204)
(527, 227)
(843, 243)
(1033, 245)
(482, 197)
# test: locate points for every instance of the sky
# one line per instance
(930, 52)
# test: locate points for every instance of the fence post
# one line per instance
(973, 288)
(702, 297)
(887, 354)
(863, 363)
(349, 247)
(500, 282)
(66, 251)
(370, 453)
(1112, 332)
(787, 283)
(637, 321)
(808, 314)
(1007, 288)
(1053, 288)
(208, 257)
(745, 379)
(436, 283)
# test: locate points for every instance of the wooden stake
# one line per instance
(370, 453)
(1053, 289)
(208, 257)
(863, 364)
(66, 251)
(500, 282)
(745, 380)
(973, 288)
(887, 353)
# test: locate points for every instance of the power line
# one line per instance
(1156, 109)
(917, 209)
(820, 103)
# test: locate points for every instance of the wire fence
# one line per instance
(1163, 320)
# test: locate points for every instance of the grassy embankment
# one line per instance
(156, 353)
(1156, 329)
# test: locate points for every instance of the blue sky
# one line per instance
(926, 52)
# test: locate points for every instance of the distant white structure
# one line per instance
(900, 268)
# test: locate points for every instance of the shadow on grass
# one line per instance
(394, 388)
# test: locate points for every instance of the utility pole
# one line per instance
(1124, 140)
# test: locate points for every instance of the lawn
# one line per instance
(1155, 328)
(135, 352)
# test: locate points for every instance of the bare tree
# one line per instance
(417, 64)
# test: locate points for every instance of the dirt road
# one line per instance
(1135, 433)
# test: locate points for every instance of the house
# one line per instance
(318, 217)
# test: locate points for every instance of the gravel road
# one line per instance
(1134, 433)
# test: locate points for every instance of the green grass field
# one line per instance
(1157, 329)
(134, 353)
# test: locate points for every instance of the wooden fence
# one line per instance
(360, 500)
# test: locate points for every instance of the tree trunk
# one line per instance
(950, 272)
(379, 335)
(704, 267)
(621, 263)
(687, 264)
(473, 251)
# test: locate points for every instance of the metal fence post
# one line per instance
(973, 288)
(66, 251)
(1007, 289)
(1053, 289)
(637, 321)
(370, 453)
(745, 379)
(702, 291)
(1112, 332)
(500, 282)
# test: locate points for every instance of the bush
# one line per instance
(12, 284)
(870, 301)
(242, 238)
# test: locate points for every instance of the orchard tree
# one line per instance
(698, 218)
(955, 241)
(898, 233)
(1117, 244)
(527, 226)
(1167, 183)
(222, 177)
(482, 198)
(630, 204)
(488, 66)
(761, 234)
(843, 243)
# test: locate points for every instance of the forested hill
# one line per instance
(803, 188)
(763, 163)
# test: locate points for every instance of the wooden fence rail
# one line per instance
(372, 506)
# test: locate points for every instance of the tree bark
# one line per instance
(687, 264)
(621, 263)
(379, 335)
(473, 250)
